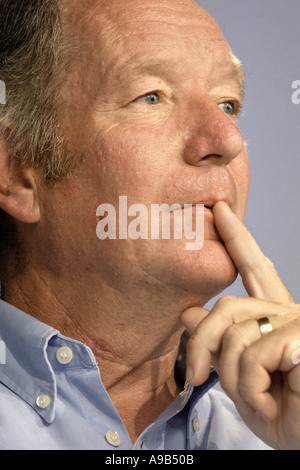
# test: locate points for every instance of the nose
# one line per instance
(213, 136)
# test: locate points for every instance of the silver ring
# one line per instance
(265, 326)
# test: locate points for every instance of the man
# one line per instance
(139, 100)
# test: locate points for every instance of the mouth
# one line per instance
(210, 230)
(208, 207)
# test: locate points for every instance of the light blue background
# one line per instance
(265, 35)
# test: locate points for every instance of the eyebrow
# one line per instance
(148, 66)
(234, 71)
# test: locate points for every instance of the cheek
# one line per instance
(132, 160)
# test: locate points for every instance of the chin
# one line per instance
(214, 269)
(210, 270)
(204, 273)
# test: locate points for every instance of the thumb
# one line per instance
(192, 317)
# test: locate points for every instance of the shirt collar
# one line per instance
(27, 371)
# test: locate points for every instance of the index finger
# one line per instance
(258, 274)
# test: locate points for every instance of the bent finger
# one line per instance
(206, 340)
(273, 353)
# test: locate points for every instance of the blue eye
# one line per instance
(228, 107)
(151, 98)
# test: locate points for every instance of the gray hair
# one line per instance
(29, 57)
(31, 68)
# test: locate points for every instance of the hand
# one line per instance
(259, 373)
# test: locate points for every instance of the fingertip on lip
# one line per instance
(222, 208)
(221, 204)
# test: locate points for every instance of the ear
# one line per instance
(18, 192)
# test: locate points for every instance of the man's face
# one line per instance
(151, 104)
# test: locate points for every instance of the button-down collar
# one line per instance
(30, 347)
(59, 378)
(27, 371)
(34, 351)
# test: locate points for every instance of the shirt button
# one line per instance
(113, 438)
(43, 401)
(64, 355)
(196, 425)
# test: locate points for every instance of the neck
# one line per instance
(134, 342)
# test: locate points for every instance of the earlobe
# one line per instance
(18, 194)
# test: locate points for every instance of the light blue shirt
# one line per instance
(52, 398)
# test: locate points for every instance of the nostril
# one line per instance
(211, 157)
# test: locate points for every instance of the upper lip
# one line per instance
(213, 184)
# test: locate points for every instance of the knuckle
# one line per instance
(232, 334)
(225, 301)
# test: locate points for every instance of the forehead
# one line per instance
(115, 10)
(119, 21)
(137, 34)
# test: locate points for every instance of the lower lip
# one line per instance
(210, 231)
(207, 210)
